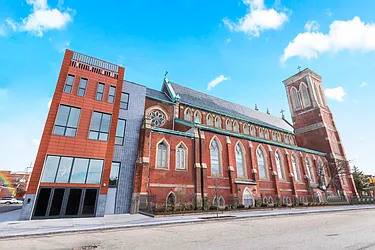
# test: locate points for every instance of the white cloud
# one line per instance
(228, 40)
(328, 12)
(363, 84)
(336, 93)
(362, 138)
(312, 26)
(355, 101)
(49, 103)
(212, 84)
(35, 142)
(257, 19)
(42, 18)
(11, 23)
(343, 35)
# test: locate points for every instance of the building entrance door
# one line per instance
(65, 202)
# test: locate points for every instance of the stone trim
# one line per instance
(310, 128)
(169, 185)
(302, 74)
(217, 187)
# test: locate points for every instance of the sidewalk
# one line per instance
(43, 227)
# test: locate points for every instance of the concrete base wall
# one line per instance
(100, 207)
(27, 208)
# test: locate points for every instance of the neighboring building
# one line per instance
(112, 146)
(84, 166)
(13, 184)
(372, 184)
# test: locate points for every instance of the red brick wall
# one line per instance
(168, 109)
(79, 146)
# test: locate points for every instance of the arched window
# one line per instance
(295, 98)
(236, 127)
(322, 96)
(296, 168)
(252, 130)
(228, 125)
(162, 161)
(291, 140)
(246, 129)
(278, 137)
(221, 201)
(171, 199)
(286, 139)
(305, 95)
(217, 122)
(319, 197)
(279, 166)
(157, 117)
(309, 169)
(270, 200)
(240, 161)
(187, 114)
(247, 197)
(215, 157)
(261, 135)
(209, 120)
(343, 179)
(266, 134)
(181, 157)
(197, 117)
(274, 136)
(262, 165)
(335, 144)
(322, 173)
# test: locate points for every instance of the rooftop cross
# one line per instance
(282, 113)
(166, 73)
(299, 68)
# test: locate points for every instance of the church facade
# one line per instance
(214, 152)
(111, 146)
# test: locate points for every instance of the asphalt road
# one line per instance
(6, 208)
(340, 230)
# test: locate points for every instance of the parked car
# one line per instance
(10, 200)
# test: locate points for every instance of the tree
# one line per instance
(361, 181)
(218, 183)
(180, 192)
(336, 170)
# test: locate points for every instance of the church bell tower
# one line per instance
(313, 121)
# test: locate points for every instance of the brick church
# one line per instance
(230, 154)
(111, 146)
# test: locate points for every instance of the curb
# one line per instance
(165, 223)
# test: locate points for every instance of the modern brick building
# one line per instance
(85, 163)
(110, 145)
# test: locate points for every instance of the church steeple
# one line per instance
(312, 119)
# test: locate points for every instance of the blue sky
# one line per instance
(246, 47)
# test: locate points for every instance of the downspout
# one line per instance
(200, 163)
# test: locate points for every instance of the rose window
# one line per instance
(157, 118)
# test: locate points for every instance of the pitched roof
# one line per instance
(212, 103)
(152, 93)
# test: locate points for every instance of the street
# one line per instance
(7, 208)
(340, 230)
